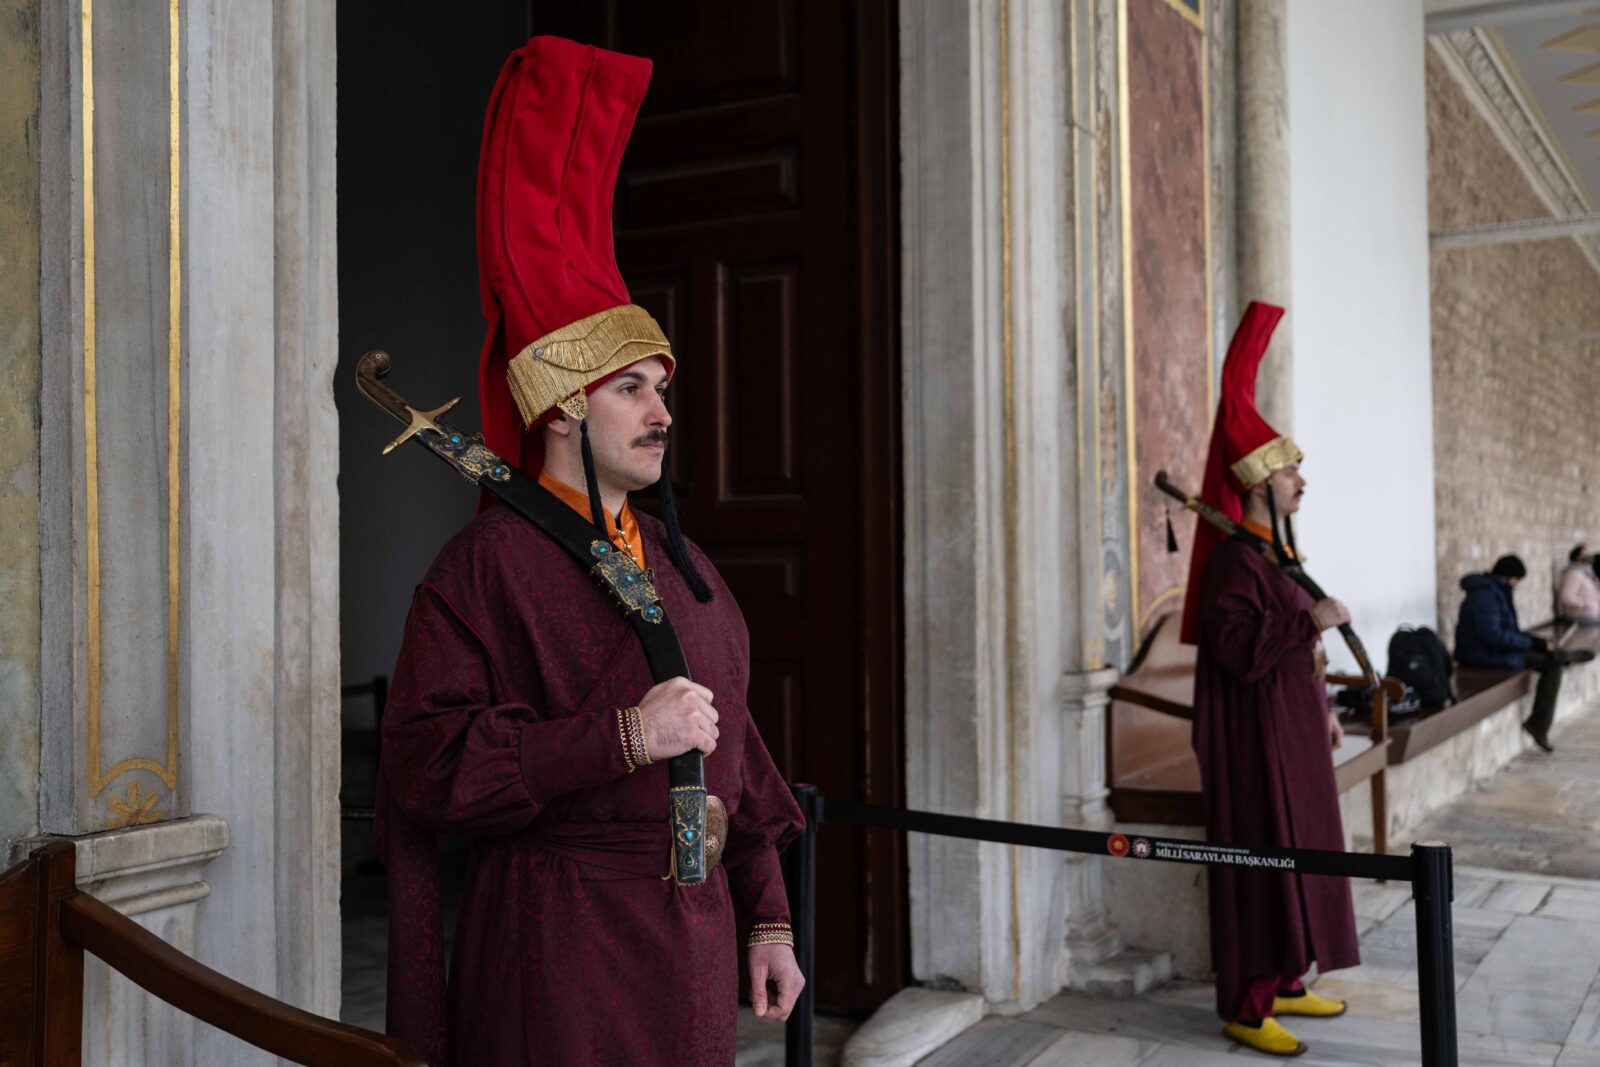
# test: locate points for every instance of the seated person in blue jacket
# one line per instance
(1487, 635)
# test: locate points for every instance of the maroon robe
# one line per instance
(570, 949)
(1266, 771)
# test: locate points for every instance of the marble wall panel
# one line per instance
(19, 414)
(1171, 360)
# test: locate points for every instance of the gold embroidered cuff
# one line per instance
(635, 750)
(557, 367)
(1258, 466)
(771, 934)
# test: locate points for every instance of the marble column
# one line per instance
(1002, 478)
(188, 553)
(1091, 937)
(1261, 86)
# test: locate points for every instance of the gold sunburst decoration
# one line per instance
(136, 808)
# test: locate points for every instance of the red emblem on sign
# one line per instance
(1141, 848)
(1117, 845)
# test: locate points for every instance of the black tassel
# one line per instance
(1288, 533)
(1172, 537)
(1277, 541)
(597, 511)
(675, 546)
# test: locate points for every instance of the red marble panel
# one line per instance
(1171, 361)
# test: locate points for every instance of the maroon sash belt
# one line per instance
(640, 849)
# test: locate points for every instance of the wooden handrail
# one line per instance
(44, 908)
(213, 998)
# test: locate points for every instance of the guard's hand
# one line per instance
(1329, 613)
(774, 965)
(677, 716)
(1335, 729)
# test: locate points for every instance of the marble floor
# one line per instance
(1527, 952)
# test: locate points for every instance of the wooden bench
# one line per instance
(1480, 692)
(1150, 760)
(46, 925)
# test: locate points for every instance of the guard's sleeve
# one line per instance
(461, 761)
(767, 820)
(1248, 638)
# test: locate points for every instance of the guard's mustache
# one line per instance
(654, 437)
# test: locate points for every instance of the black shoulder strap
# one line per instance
(635, 594)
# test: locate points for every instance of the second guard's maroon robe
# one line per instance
(1266, 769)
(571, 947)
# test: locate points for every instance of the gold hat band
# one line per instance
(557, 368)
(1258, 466)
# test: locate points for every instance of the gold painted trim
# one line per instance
(1008, 421)
(174, 376)
(168, 772)
(1125, 187)
(1195, 19)
(1205, 192)
(91, 443)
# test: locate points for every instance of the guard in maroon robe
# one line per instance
(1262, 727)
(515, 714)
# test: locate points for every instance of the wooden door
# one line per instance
(756, 219)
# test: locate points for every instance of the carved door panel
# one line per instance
(755, 219)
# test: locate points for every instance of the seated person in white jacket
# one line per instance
(1578, 590)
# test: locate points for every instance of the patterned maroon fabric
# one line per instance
(1266, 771)
(571, 948)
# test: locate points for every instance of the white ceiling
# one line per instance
(1542, 42)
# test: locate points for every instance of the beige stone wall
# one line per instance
(1516, 409)
(19, 417)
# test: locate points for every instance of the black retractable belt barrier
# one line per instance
(802, 858)
(1428, 869)
(1432, 888)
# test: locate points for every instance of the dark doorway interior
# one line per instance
(756, 218)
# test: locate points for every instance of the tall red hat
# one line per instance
(1245, 449)
(560, 318)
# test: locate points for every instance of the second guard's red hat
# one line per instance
(1245, 449)
(560, 320)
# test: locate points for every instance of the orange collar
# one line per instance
(1263, 532)
(623, 530)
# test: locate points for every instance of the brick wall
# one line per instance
(1516, 409)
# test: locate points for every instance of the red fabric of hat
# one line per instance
(558, 121)
(1239, 433)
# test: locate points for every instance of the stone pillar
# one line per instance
(1002, 459)
(1262, 193)
(113, 418)
(188, 556)
(1091, 938)
(955, 651)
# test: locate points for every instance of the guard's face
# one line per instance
(628, 422)
(1287, 488)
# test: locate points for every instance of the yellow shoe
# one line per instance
(1308, 1003)
(1269, 1037)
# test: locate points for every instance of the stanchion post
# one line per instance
(797, 1038)
(1432, 888)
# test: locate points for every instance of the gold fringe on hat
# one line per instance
(558, 367)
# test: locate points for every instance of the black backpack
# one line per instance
(1418, 658)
